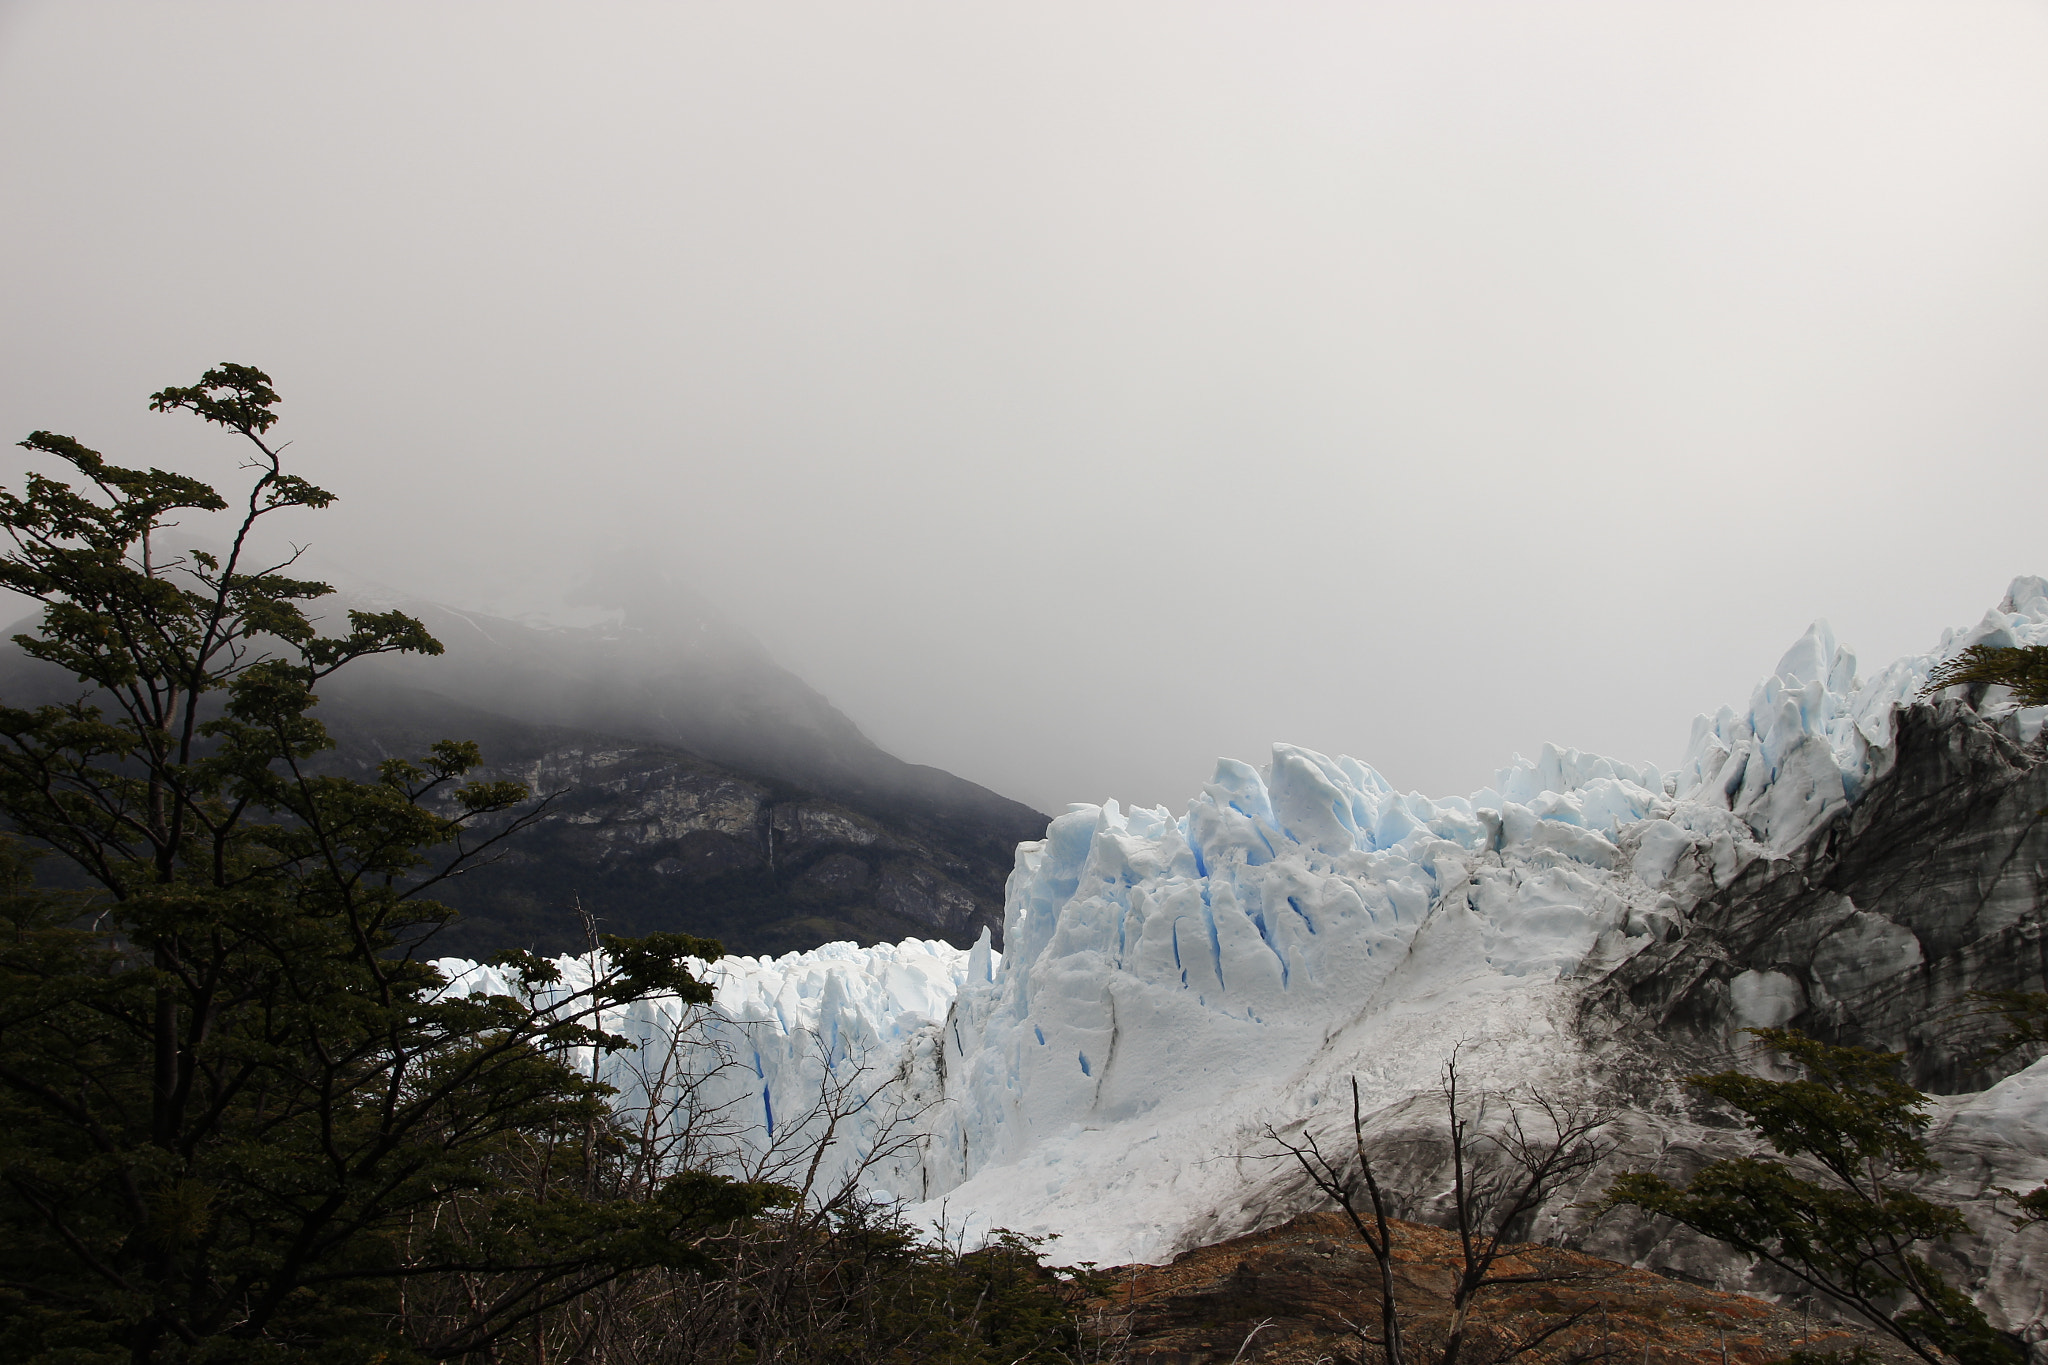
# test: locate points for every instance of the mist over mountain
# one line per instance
(694, 784)
(663, 666)
(1353, 359)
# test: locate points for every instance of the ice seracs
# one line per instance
(1172, 983)
(788, 1047)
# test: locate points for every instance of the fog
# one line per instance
(1076, 392)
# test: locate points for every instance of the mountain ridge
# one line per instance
(696, 785)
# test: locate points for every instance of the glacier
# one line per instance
(792, 1052)
(1173, 986)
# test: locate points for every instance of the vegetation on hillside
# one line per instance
(241, 1115)
(1836, 1207)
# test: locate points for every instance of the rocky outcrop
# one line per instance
(704, 788)
(1874, 933)
(650, 837)
(669, 671)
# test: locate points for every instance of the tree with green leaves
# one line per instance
(2024, 1016)
(1834, 1209)
(241, 1116)
(2022, 668)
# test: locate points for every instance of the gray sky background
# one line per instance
(1075, 392)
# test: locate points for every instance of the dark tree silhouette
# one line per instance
(235, 1100)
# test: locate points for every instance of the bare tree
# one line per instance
(1337, 1185)
(857, 1117)
(1544, 1144)
(1539, 1147)
(670, 1095)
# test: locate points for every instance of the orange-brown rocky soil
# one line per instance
(1291, 1294)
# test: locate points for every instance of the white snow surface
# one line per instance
(1171, 984)
(741, 1080)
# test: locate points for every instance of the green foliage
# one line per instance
(1853, 1234)
(1848, 1110)
(2024, 1015)
(2023, 668)
(240, 1118)
(862, 1288)
(655, 963)
(1026, 1305)
(2033, 1205)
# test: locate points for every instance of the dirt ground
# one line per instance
(1290, 1296)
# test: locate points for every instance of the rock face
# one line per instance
(1870, 935)
(697, 787)
(667, 670)
(1873, 933)
(653, 837)
(704, 785)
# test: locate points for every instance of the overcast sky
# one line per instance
(1077, 392)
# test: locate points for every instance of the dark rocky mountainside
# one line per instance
(666, 669)
(1873, 933)
(697, 787)
(650, 836)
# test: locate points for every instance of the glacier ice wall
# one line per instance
(1173, 984)
(792, 1051)
(1814, 735)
